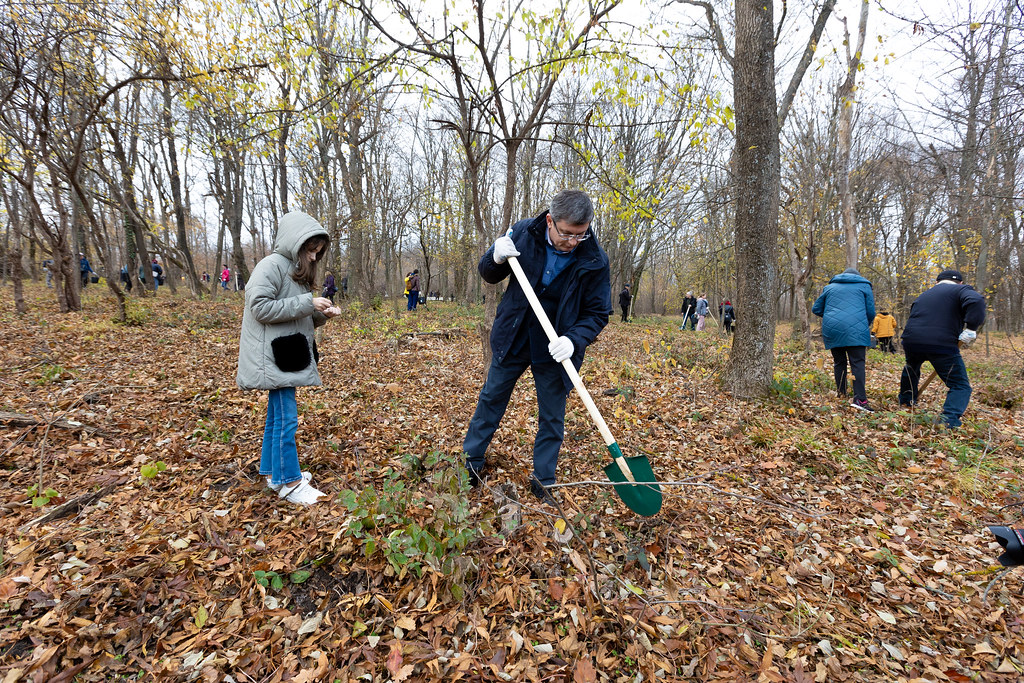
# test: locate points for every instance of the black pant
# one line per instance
(885, 345)
(625, 314)
(855, 356)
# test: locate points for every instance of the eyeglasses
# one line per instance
(585, 235)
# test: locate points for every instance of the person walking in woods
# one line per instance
(329, 287)
(48, 267)
(126, 279)
(206, 276)
(846, 308)
(728, 315)
(569, 271)
(689, 311)
(84, 269)
(158, 274)
(884, 329)
(276, 351)
(702, 311)
(943, 318)
(414, 290)
(625, 299)
(225, 277)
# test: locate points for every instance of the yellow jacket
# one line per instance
(883, 326)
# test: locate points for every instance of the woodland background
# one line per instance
(749, 153)
(749, 150)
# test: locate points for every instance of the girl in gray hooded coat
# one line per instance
(276, 350)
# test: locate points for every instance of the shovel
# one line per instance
(931, 377)
(634, 479)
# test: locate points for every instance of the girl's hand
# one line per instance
(332, 311)
(321, 303)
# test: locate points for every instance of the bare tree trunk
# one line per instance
(194, 283)
(846, 102)
(757, 171)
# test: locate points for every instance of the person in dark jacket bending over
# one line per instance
(569, 272)
(945, 316)
(847, 308)
(625, 299)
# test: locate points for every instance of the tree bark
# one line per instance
(757, 171)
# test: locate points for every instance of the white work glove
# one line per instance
(503, 248)
(561, 349)
(968, 336)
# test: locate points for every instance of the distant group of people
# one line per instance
(942, 319)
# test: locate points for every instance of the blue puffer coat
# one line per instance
(846, 308)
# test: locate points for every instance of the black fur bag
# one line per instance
(291, 352)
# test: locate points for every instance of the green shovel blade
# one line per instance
(644, 497)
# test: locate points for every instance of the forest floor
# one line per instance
(800, 540)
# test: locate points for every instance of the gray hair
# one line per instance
(572, 206)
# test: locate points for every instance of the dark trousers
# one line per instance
(625, 314)
(885, 345)
(854, 357)
(414, 298)
(951, 370)
(493, 401)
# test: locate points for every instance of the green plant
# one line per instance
(783, 389)
(211, 431)
(414, 528)
(150, 470)
(268, 579)
(136, 314)
(39, 500)
(50, 373)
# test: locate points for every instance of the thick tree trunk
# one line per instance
(757, 171)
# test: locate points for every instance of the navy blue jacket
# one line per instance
(938, 316)
(847, 308)
(586, 300)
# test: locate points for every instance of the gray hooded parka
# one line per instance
(277, 307)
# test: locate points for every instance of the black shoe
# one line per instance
(475, 475)
(542, 494)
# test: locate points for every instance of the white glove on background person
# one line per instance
(561, 349)
(503, 248)
(968, 337)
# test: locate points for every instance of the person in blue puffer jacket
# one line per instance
(847, 308)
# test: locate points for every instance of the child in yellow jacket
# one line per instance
(884, 329)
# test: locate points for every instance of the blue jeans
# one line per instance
(414, 298)
(951, 369)
(279, 457)
(494, 398)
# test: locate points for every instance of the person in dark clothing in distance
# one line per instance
(569, 272)
(84, 269)
(625, 299)
(728, 315)
(689, 311)
(941, 319)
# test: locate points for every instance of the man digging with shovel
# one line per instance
(944, 317)
(569, 271)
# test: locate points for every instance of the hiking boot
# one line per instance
(543, 494)
(861, 405)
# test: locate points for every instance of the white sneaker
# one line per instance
(306, 477)
(302, 493)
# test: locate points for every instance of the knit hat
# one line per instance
(950, 274)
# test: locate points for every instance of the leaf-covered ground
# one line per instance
(799, 540)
